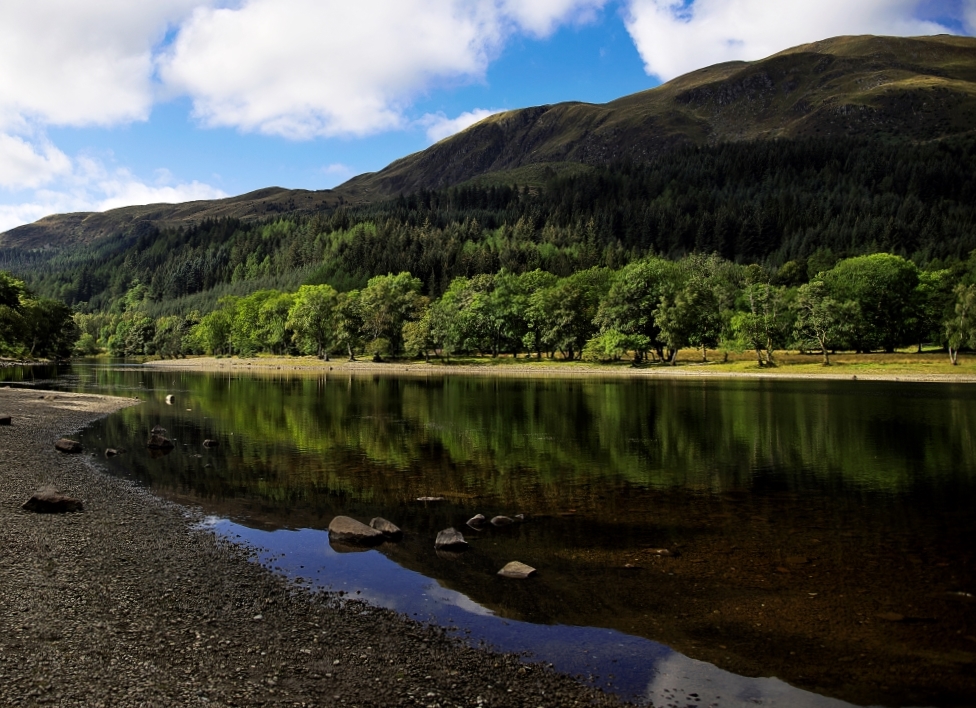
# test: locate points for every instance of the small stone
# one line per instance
(348, 530)
(891, 617)
(662, 552)
(111, 452)
(169, 399)
(517, 570)
(477, 521)
(48, 501)
(68, 446)
(450, 539)
(430, 499)
(502, 521)
(387, 528)
(210, 443)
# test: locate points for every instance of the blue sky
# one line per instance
(108, 102)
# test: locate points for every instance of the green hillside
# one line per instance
(878, 88)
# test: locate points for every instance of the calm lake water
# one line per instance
(820, 532)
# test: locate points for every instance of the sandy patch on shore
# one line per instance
(311, 365)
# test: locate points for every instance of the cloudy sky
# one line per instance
(106, 103)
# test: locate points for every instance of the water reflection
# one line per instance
(801, 514)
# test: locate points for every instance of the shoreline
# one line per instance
(132, 602)
(547, 369)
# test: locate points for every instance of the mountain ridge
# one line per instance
(916, 88)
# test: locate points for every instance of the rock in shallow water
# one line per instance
(350, 531)
(450, 540)
(387, 528)
(48, 501)
(69, 446)
(477, 521)
(502, 521)
(159, 442)
(517, 570)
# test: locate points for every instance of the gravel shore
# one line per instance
(129, 603)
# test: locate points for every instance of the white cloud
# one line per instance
(87, 184)
(307, 68)
(674, 37)
(439, 126)
(64, 62)
(28, 166)
(541, 17)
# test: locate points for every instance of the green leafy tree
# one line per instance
(312, 318)
(883, 286)
(823, 319)
(629, 307)
(386, 303)
(961, 327)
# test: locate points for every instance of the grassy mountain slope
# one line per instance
(918, 89)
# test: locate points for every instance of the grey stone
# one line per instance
(111, 452)
(502, 521)
(477, 521)
(210, 443)
(517, 570)
(69, 446)
(346, 530)
(450, 540)
(387, 528)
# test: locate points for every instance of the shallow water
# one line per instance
(821, 531)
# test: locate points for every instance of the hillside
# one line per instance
(916, 89)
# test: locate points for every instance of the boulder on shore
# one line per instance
(47, 500)
(69, 446)
(450, 540)
(387, 528)
(350, 531)
(517, 570)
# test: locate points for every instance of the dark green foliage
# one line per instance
(800, 204)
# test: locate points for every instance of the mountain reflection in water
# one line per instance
(820, 530)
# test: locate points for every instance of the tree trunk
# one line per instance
(674, 357)
(953, 353)
(704, 354)
(352, 357)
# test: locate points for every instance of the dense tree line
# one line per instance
(801, 205)
(649, 309)
(32, 327)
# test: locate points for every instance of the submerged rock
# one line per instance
(349, 531)
(502, 521)
(48, 501)
(517, 570)
(111, 452)
(158, 441)
(387, 528)
(69, 446)
(450, 540)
